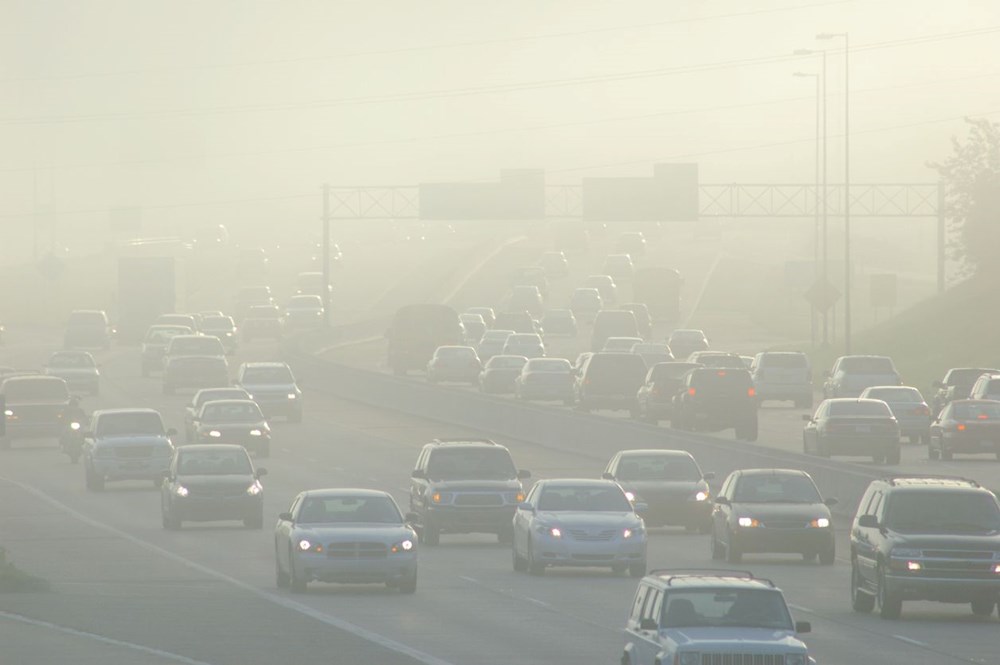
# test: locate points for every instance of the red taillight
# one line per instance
(983, 416)
(960, 427)
(751, 392)
(721, 372)
(691, 391)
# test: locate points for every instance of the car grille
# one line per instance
(133, 452)
(958, 554)
(592, 536)
(478, 500)
(785, 524)
(216, 492)
(36, 413)
(742, 659)
(356, 551)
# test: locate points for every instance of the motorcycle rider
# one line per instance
(71, 440)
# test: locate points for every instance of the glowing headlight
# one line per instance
(74, 426)
(249, 396)
(180, 490)
(914, 566)
(555, 532)
(254, 489)
(292, 396)
(256, 432)
(305, 545)
(627, 533)
(8, 412)
(820, 522)
(405, 546)
(215, 434)
(701, 496)
(747, 522)
(630, 496)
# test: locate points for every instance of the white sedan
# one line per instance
(579, 523)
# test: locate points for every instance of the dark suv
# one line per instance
(714, 399)
(925, 538)
(463, 486)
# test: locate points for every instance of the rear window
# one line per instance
(198, 362)
(268, 375)
(87, 319)
(867, 365)
(614, 366)
(975, 410)
(865, 408)
(896, 394)
(783, 361)
(126, 424)
(549, 365)
(687, 336)
(208, 346)
(71, 360)
(965, 376)
(722, 378)
(506, 362)
(39, 388)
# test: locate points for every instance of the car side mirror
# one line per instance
(831, 502)
(261, 472)
(285, 517)
(411, 518)
(418, 473)
(526, 507)
(868, 522)
(722, 501)
(803, 627)
(607, 475)
(709, 475)
(648, 624)
(171, 432)
(523, 474)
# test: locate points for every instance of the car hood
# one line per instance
(502, 373)
(131, 440)
(511, 485)
(587, 518)
(766, 511)
(679, 488)
(268, 387)
(352, 531)
(232, 427)
(949, 541)
(236, 480)
(734, 639)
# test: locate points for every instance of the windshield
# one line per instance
(745, 608)
(196, 346)
(506, 362)
(601, 498)
(348, 509)
(863, 408)
(35, 389)
(213, 463)
(127, 424)
(965, 377)
(264, 375)
(943, 512)
(867, 365)
(471, 464)
(658, 467)
(894, 394)
(548, 365)
(219, 394)
(974, 410)
(231, 412)
(776, 488)
(71, 360)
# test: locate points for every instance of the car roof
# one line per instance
(264, 363)
(931, 482)
(645, 452)
(852, 400)
(711, 579)
(346, 491)
(773, 472)
(975, 401)
(577, 482)
(230, 401)
(33, 377)
(195, 447)
(109, 412)
(465, 443)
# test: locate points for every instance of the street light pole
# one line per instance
(816, 215)
(847, 183)
(326, 255)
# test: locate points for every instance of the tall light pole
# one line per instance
(847, 182)
(816, 216)
(825, 263)
(326, 256)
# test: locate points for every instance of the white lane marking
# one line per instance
(909, 640)
(101, 638)
(799, 608)
(536, 601)
(287, 603)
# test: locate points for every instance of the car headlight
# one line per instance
(74, 426)
(553, 531)
(701, 496)
(634, 531)
(305, 545)
(8, 412)
(748, 522)
(404, 546)
(292, 396)
(689, 658)
(796, 659)
(256, 432)
(215, 434)
(249, 396)
(255, 489)
(820, 523)
(905, 553)
(180, 490)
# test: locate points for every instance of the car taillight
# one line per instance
(751, 392)
(983, 416)
(692, 391)
(960, 427)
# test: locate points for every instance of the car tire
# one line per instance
(893, 456)
(94, 482)
(534, 567)
(619, 568)
(983, 607)
(637, 570)
(408, 584)
(716, 548)
(733, 554)
(747, 431)
(890, 605)
(430, 535)
(809, 557)
(519, 563)
(828, 555)
(933, 453)
(860, 601)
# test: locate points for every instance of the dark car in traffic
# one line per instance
(655, 398)
(712, 400)
(500, 373)
(670, 483)
(610, 381)
(965, 426)
(956, 384)
(212, 482)
(546, 379)
(272, 385)
(35, 406)
(685, 341)
(237, 421)
(848, 426)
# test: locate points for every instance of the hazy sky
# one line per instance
(153, 102)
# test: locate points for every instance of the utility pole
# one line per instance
(326, 255)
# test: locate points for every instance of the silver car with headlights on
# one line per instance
(212, 482)
(582, 522)
(126, 444)
(348, 536)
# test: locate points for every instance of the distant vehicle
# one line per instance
(676, 614)
(416, 331)
(154, 345)
(194, 372)
(528, 345)
(612, 323)
(621, 344)
(605, 285)
(850, 375)
(304, 313)
(527, 298)
(925, 538)
(908, 408)
(553, 527)
(655, 398)
(489, 316)
(193, 408)
(554, 264)
(620, 267)
(311, 284)
(499, 374)
(531, 276)
(77, 368)
(559, 322)
(262, 321)
(986, 386)
(719, 359)
(546, 379)
(193, 345)
(585, 303)
(183, 320)
(492, 343)
(956, 384)
(660, 290)
(643, 322)
(772, 510)
(631, 242)
(223, 328)
(209, 483)
(610, 381)
(273, 387)
(251, 296)
(851, 426)
(965, 426)
(236, 421)
(684, 342)
(712, 399)
(345, 535)
(126, 444)
(474, 327)
(35, 407)
(465, 486)
(454, 363)
(669, 482)
(651, 352)
(88, 329)
(518, 321)
(783, 375)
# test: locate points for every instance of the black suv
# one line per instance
(463, 486)
(925, 538)
(714, 399)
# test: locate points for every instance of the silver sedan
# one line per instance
(350, 536)
(579, 523)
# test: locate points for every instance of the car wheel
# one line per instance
(718, 551)
(860, 601)
(878, 459)
(619, 568)
(519, 563)
(893, 456)
(983, 607)
(430, 535)
(637, 569)
(828, 555)
(809, 556)
(733, 554)
(932, 452)
(890, 605)
(534, 567)
(409, 584)
(747, 431)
